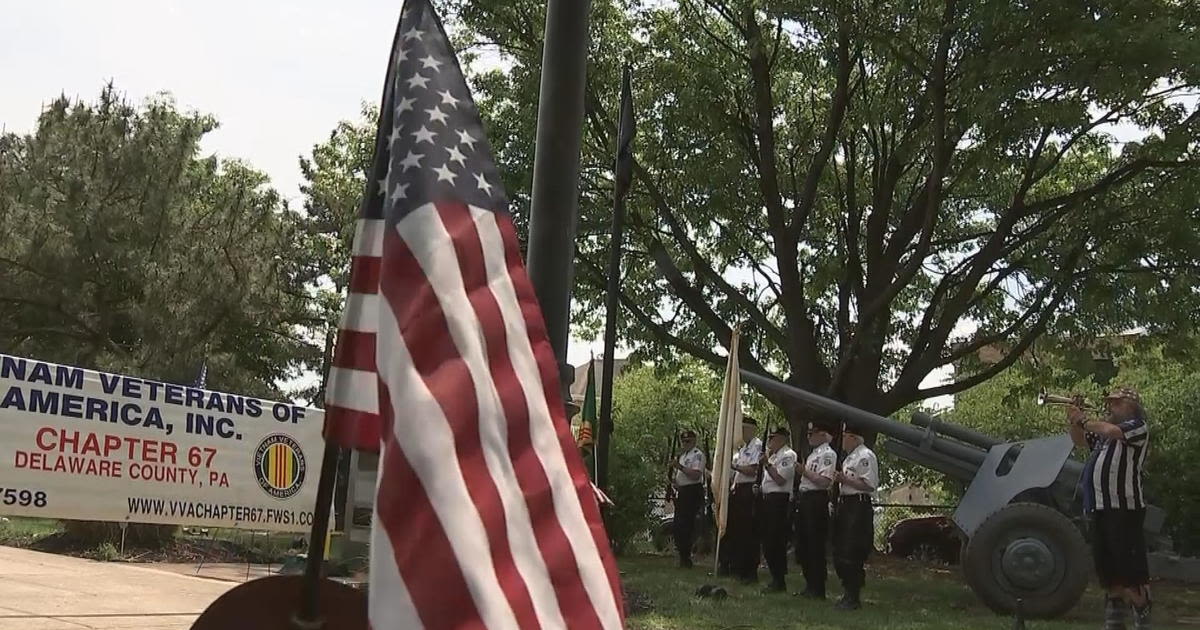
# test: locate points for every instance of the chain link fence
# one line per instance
(920, 532)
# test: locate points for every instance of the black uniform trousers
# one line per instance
(688, 501)
(775, 529)
(739, 545)
(1119, 548)
(852, 540)
(812, 532)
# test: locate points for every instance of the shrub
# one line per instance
(649, 406)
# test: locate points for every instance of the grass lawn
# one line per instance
(904, 595)
(215, 545)
(16, 531)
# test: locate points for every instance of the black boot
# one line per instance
(1141, 617)
(776, 586)
(1115, 610)
(849, 601)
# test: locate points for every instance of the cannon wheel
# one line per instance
(1030, 552)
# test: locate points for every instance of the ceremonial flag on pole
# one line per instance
(584, 437)
(729, 437)
(202, 378)
(627, 130)
(484, 514)
(588, 414)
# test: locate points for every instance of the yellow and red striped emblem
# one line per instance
(279, 466)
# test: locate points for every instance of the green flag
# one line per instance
(588, 422)
(588, 414)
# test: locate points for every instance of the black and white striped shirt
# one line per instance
(1112, 478)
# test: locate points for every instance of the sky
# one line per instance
(277, 75)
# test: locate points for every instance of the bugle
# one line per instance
(1054, 399)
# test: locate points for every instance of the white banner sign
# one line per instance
(78, 444)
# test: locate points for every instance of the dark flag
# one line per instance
(626, 133)
(484, 514)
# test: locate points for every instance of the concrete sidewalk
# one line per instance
(40, 591)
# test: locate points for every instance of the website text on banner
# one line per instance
(78, 444)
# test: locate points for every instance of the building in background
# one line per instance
(579, 386)
(908, 494)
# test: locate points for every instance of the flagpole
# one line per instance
(309, 614)
(310, 609)
(554, 207)
(624, 173)
(596, 447)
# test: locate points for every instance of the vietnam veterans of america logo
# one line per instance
(279, 466)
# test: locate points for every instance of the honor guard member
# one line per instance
(853, 526)
(1112, 496)
(689, 495)
(739, 545)
(778, 478)
(812, 513)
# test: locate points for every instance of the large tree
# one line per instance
(879, 188)
(334, 178)
(124, 248)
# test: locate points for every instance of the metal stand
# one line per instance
(212, 547)
(1019, 618)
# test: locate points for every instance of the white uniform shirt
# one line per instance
(822, 461)
(860, 464)
(784, 461)
(693, 459)
(748, 455)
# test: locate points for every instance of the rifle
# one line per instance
(835, 488)
(706, 478)
(762, 461)
(672, 453)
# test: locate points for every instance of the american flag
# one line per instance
(484, 514)
(202, 377)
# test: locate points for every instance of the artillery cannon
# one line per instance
(1020, 517)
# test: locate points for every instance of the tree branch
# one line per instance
(803, 350)
(691, 296)
(700, 263)
(839, 102)
(880, 294)
(664, 334)
(1043, 321)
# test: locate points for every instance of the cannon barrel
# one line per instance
(924, 442)
(961, 433)
(1071, 471)
(965, 457)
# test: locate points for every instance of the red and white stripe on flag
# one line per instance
(484, 517)
(352, 395)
